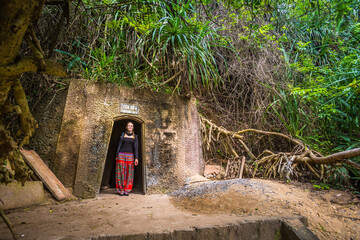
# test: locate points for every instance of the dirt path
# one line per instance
(331, 214)
(197, 205)
(110, 214)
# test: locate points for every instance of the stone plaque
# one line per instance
(129, 108)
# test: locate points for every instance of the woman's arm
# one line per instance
(136, 148)
(119, 143)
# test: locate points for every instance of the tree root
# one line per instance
(27, 121)
(31, 64)
(282, 164)
(8, 223)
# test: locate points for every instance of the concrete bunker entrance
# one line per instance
(108, 178)
(94, 117)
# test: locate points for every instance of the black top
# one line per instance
(135, 145)
(128, 145)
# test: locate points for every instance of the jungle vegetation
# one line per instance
(286, 72)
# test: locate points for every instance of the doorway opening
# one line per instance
(108, 179)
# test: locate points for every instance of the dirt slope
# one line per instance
(331, 214)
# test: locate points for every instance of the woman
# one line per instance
(126, 152)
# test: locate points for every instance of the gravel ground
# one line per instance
(216, 187)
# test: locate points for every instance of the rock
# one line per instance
(342, 199)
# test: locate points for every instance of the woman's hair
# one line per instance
(128, 124)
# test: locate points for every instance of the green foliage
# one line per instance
(162, 45)
(320, 43)
(324, 52)
(321, 186)
(288, 110)
(71, 60)
(324, 55)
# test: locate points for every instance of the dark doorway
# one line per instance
(108, 179)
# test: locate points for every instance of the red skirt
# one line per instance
(124, 172)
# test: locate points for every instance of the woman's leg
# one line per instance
(120, 173)
(129, 179)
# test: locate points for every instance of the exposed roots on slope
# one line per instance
(270, 164)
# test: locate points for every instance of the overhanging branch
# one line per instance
(30, 64)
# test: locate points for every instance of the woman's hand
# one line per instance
(136, 162)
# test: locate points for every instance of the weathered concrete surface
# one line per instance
(171, 136)
(14, 195)
(48, 112)
(65, 159)
(193, 136)
(259, 229)
(295, 229)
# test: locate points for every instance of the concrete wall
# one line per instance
(266, 229)
(171, 136)
(15, 195)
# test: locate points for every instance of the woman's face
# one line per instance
(130, 127)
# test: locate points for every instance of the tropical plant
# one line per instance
(165, 46)
(319, 100)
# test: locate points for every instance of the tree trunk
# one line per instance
(16, 17)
